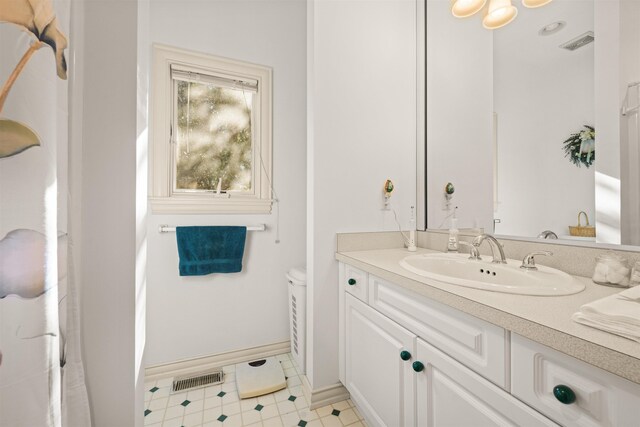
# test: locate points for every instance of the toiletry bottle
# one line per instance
(452, 245)
(411, 245)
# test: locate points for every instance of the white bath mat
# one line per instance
(259, 377)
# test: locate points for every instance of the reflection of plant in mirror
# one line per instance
(580, 147)
(36, 17)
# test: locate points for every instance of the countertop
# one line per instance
(544, 319)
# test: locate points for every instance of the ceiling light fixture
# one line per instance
(466, 8)
(552, 28)
(499, 14)
(531, 4)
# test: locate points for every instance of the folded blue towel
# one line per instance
(206, 250)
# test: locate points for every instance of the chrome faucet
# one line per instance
(493, 242)
(474, 254)
(529, 262)
(547, 234)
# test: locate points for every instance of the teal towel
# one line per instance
(206, 250)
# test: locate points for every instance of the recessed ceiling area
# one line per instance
(522, 39)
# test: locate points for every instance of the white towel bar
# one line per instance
(167, 229)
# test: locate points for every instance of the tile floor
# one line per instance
(219, 405)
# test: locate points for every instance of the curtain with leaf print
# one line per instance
(41, 372)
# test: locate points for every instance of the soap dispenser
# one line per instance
(411, 244)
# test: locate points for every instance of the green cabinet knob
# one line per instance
(405, 355)
(564, 394)
(351, 282)
(418, 366)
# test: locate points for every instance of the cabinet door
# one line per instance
(449, 394)
(354, 281)
(381, 383)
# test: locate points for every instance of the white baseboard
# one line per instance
(198, 364)
(323, 396)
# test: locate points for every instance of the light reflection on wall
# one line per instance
(607, 209)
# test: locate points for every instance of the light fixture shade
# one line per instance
(499, 14)
(535, 3)
(465, 8)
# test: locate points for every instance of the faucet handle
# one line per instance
(474, 253)
(547, 234)
(529, 262)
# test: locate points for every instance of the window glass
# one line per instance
(213, 137)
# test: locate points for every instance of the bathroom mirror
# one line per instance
(501, 104)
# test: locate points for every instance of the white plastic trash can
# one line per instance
(297, 278)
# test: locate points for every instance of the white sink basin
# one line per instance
(458, 269)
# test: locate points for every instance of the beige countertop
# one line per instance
(545, 319)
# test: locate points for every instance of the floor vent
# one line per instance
(579, 41)
(202, 379)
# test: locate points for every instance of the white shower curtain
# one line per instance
(41, 372)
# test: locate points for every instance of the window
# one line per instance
(211, 134)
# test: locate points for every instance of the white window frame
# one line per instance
(163, 198)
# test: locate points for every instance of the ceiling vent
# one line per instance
(578, 42)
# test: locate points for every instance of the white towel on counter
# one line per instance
(618, 314)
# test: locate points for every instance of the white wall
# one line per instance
(104, 159)
(142, 172)
(541, 98)
(362, 130)
(459, 118)
(197, 316)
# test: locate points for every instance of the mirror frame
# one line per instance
(421, 116)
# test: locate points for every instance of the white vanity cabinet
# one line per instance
(477, 344)
(397, 378)
(409, 361)
(449, 394)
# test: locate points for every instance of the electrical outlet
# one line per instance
(386, 203)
